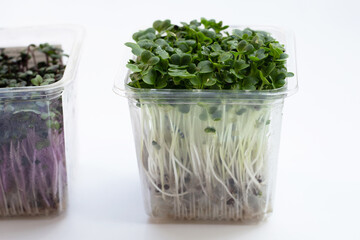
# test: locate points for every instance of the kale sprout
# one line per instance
(206, 154)
(202, 55)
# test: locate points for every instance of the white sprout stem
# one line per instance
(24, 197)
(3, 211)
(192, 173)
(18, 205)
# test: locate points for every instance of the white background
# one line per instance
(318, 187)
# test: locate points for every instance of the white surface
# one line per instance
(318, 183)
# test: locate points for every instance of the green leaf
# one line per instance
(238, 32)
(52, 68)
(216, 47)
(289, 74)
(177, 80)
(276, 50)
(209, 81)
(49, 75)
(150, 77)
(215, 54)
(257, 41)
(228, 78)
(159, 69)
(208, 33)
(185, 59)
(191, 42)
(265, 81)
(146, 43)
(247, 32)
(249, 83)
(225, 56)
(181, 73)
(217, 26)
(205, 51)
(242, 45)
(202, 38)
(36, 81)
(205, 67)
(258, 55)
(183, 46)
(175, 59)
(269, 69)
(249, 48)
(161, 26)
(133, 67)
(153, 60)
(135, 49)
(145, 56)
(196, 81)
(283, 57)
(161, 83)
(162, 53)
(47, 81)
(238, 75)
(55, 125)
(220, 66)
(232, 44)
(173, 66)
(279, 80)
(162, 43)
(145, 34)
(254, 58)
(240, 65)
(191, 68)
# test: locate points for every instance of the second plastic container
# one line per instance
(209, 154)
(37, 136)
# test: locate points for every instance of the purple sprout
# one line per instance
(33, 176)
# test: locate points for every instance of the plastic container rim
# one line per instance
(71, 64)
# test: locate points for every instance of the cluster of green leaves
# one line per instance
(15, 71)
(29, 68)
(201, 55)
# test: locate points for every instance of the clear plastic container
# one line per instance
(209, 154)
(37, 129)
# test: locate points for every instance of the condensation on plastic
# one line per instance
(209, 154)
(38, 124)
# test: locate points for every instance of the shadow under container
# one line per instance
(208, 154)
(37, 129)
